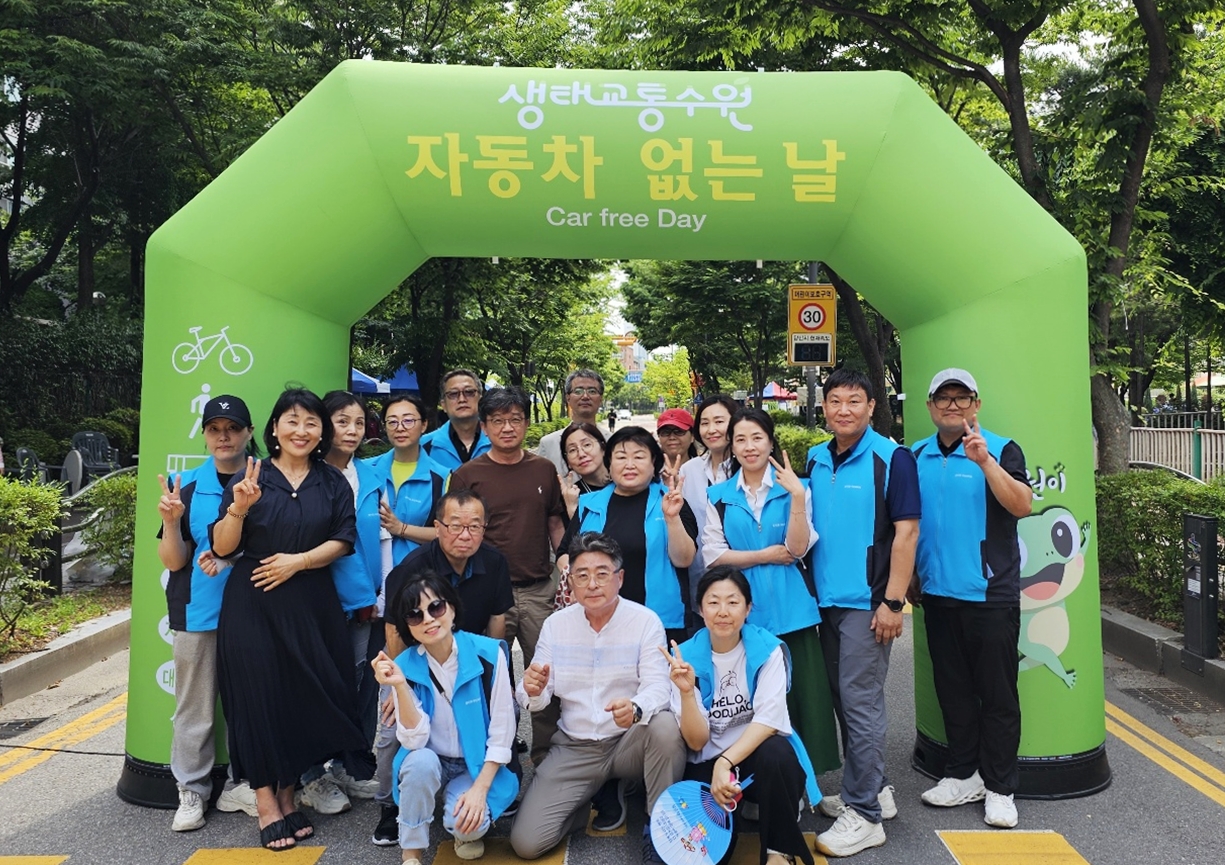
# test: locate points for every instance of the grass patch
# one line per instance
(47, 619)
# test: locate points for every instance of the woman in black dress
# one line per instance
(284, 661)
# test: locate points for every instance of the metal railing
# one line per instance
(1184, 420)
(1199, 453)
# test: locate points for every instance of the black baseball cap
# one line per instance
(227, 407)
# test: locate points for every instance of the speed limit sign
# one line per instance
(811, 316)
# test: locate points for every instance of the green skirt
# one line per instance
(809, 702)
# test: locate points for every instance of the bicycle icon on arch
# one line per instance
(235, 358)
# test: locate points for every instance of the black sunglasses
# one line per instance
(436, 608)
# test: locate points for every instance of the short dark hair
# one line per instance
(750, 414)
(409, 599)
(637, 435)
(596, 542)
(456, 373)
(309, 402)
(584, 373)
(589, 428)
(850, 378)
(460, 497)
(498, 399)
(335, 400)
(724, 572)
(412, 399)
(718, 399)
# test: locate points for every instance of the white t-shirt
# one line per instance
(733, 707)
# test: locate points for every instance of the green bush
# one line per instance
(1139, 526)
(49, 449)
(539, 430)
(112, 537)
(796, 440)
(372, 449)
(130, 418)
(784, 418)
(28, 515)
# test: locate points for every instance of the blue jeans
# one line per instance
(422, 774)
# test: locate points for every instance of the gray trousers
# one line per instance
(192, 747)
(575, 769)
(857, 667)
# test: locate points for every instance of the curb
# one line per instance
(1158, 650)
(71, 653)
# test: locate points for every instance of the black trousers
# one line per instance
(778, 785)
(974, 662)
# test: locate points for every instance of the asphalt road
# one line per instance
(1166, 805)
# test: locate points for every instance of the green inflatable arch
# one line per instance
(258, 280)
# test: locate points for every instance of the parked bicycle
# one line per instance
(235, 358)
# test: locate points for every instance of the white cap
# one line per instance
(952, 375)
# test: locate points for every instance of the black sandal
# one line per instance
(278, 831)
(297, 822)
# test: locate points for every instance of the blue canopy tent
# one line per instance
(359, 382)
(404, 379)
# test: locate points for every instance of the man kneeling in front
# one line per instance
(600, 657)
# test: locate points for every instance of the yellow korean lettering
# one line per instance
(504, 155)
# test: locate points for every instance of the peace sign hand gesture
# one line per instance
(673, 501)
(170, 506)
(679, 672)
(785, 477)
(247, 491)
(974, 443)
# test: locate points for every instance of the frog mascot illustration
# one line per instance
(1052, 566)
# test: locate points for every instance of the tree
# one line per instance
(668, 376)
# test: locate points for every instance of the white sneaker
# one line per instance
(240, 797)
(191, 812)
(1001, 811)
(470, 849)
(833, 806)
(850, 834)
(955, 791)
(352, 787)
(324, 796)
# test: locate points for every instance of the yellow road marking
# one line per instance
(1212, 773)
(748, 850)
(300, 855)
(32, 860)
(1170, 765)
(1006, 848)
(615, 833)
(498, 851)
(20, 760)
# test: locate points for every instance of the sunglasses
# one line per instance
(436, 609)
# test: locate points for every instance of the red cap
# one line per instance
(676, 417)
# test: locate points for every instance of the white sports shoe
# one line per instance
(470, 849)
(850, 834)
(324, 796)
(352, 787)
(956, 791)
(1001, 811)
(191, 812)
(240, 797)
(833, 806)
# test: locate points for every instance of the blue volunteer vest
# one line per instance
(849, 511)
(203, 604)
(441, 449)
(414, 502)
(782, 599)
(359, 577)
(478, 657)
(662, 582)
(759, 644)
(952, 557)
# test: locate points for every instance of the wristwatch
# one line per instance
(637, 712)
(895, 606)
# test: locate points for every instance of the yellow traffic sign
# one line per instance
(812, 324)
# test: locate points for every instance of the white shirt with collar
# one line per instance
(588, 669)
(714, 542)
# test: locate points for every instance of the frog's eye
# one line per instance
(1065, 537)
(1024, 553)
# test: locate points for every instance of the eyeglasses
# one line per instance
(961, 400)
(466, 393)
(587, 391)
(586, 578)
(585, 447)
(436, 609)
(402, 423)
(499, 422)
(670, 432)
(455, 529)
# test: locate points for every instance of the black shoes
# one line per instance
(609, 804)
(387, 833)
